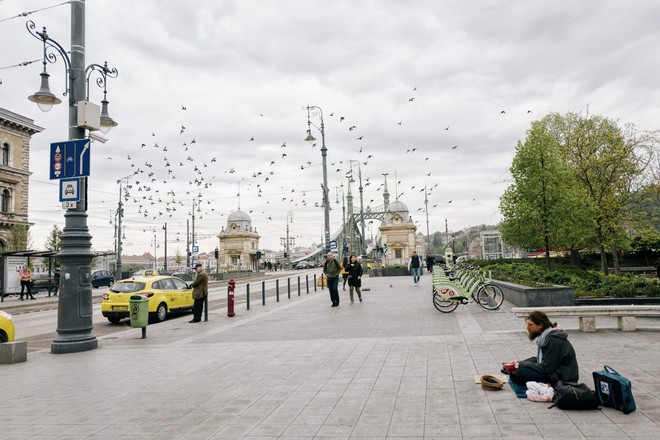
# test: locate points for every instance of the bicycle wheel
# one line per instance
(490, 297)
(444, 306)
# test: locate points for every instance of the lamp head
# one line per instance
(44, 98)
(106, 121)
(309, 137)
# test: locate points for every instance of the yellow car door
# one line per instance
(183, 293)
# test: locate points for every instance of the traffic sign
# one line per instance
(69, 159)
(69, 205)
(195, 249)
(70, 190)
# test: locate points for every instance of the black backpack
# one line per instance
(574, 396)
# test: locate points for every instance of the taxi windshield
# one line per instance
(128, 287)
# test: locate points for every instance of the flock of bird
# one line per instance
(171, 177)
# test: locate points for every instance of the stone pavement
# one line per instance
(390, 367)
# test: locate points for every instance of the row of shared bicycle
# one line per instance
(455, 284)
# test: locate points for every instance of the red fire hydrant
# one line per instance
(230, 297)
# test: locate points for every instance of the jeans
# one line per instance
(333, 287)
(198, 307)
(415, 274)
(524, 375)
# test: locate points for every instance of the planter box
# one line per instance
(384, 272)
(524, 296)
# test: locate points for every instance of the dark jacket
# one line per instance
(354, 271)
(414, 262)
(332, 268)
(558, 360)
(200, 285)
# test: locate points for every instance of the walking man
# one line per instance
(331, 269)
(414, 266)
(200, 290)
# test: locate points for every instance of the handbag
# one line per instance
(574, 396)
(614, 390)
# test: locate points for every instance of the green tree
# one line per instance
(611, 165)
(542, 208)
(178, 257)
(19, 239)
(54, 243)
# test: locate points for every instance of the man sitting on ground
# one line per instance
(555, 357)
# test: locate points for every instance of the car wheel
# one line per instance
(114, 319)
(161, 312)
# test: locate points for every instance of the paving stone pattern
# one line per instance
(389, 367)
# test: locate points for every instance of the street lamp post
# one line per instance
(343, 219)
(120, 214)
(364, 244)
(286, 242)
(75, 312)
(428, 236)
(324, 154)
(165, 259)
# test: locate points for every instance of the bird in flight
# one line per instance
(411, 99)
(454, 147)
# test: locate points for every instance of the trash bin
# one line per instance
(139, 311)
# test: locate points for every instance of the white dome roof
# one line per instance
(397, 206)
(239, 216)
(241, 220)
(396, 210)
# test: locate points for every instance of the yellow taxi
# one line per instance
(167, 294)
(7, 329)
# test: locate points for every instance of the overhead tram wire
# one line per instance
(25, 14)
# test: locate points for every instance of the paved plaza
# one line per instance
(389, 367)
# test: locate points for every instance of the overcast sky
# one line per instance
(438, 92)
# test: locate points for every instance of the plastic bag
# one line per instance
(539, 392)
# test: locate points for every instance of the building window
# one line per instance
(5, 153)
(397, 253)
(235, 260)
(5, 204)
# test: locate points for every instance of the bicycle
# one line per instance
(450, 292)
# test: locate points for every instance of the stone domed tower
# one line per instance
(397, 233)
(239, 242)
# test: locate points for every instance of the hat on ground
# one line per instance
(198, 265)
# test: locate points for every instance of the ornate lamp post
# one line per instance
(343, 219)
(324, 154)
(74, 317)
(364, 238)
(286, 242)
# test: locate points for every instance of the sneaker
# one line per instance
(360, 299)
(351, 302)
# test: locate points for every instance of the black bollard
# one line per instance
(298, 285)
(277, 290)
(247, 295)
(263, 293)
(307, 283)
(288, 288)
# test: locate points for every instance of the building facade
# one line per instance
(397, 233)
(239, 243)
(16, 131)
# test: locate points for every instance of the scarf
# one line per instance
(539, 343)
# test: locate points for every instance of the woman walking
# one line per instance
(26, 282)
(344, 271)
(355, 278)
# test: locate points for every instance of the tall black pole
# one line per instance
(120, 213)
(165, 260)
(74, 312)
(187, 243)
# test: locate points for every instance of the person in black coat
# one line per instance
(555, 358)
(354, 278)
